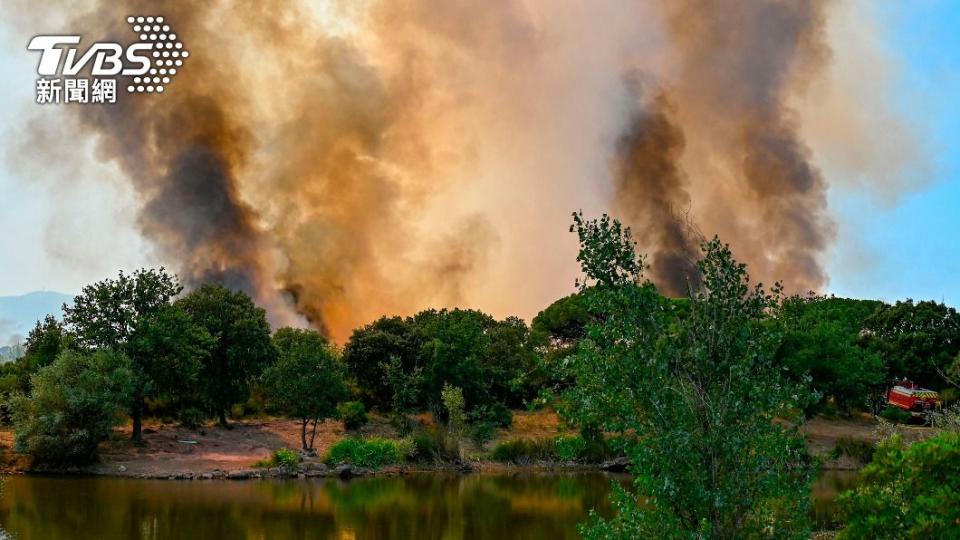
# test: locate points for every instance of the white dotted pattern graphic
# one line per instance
(167, 53)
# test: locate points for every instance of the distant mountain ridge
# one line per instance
(19, 314)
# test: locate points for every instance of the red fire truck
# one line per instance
(908, 396)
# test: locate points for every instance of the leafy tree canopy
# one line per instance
(242, 347)
(307, 379)
(707, 417)
(916, 340)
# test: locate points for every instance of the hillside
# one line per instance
(18, 314)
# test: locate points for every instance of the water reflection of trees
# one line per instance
(416, 506)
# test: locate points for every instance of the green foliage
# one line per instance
(404, 363)
(583, 450)
(306, 382)
(482, 432)
(564, 321)
(820, 342)
(907, 492)
(373, 452)
(699, 386)
(433, 444)
(74, 404)
(570, 448)
(453, 403)
(191, 417)
(405, 386)
(494, 413)
(353, 414)
(858, 449)
(284, 458)
(895, 415)
(42, 346)
(372, 348)
(525, 451)
(607, 254)
(133, 315)
(242, 348)
(919, 341)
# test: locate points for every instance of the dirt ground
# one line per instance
(171, 449)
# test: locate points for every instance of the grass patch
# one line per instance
(858, 449)
(525, 451)
(284, 458)
(373, 452)
(895, 415)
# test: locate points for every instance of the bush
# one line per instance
(353, 414)
(283, 458)
(482, 432)
(192, 417)
(374, 452)
(578, 448)
(434, 444)
(525, 451)
(895, 415)
(286, 458)
(74, 405)
(907, 491)
(570, 448)
(858, 449)
(496, 413)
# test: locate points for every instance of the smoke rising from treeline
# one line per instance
(342, 161)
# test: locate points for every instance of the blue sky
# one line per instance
(887, 250)
(911, 249)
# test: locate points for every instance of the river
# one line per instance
(421, 506)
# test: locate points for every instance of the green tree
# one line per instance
(307, 379)
(132, 314)
(74, 404)
(703, 410)
(907, 492)
(374, 348)
(916, 340)
(820, 341)
(242, 348)
(42, 346)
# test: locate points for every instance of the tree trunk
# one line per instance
(137, 413)
(313, 436)
(137, 435)
(303, 433)
(223, 417)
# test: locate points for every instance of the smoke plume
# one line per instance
(342, 161)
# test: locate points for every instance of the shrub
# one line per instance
(283, 458)
(584, 450)
(192, 417)
(496, 413)
(353, 414)
(858, 449)
(907, 491)
(570, 448)
(482, 432)
(896, 415)
(524, 451)
(434, 444)
(374, 452)
(74, 404)
(453, 402)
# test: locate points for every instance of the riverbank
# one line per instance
(170, 451)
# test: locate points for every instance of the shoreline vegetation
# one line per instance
(243, 450)
(721, 404)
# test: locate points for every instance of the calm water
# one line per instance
(501, 507)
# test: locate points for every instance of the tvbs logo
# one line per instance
(150, 64)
